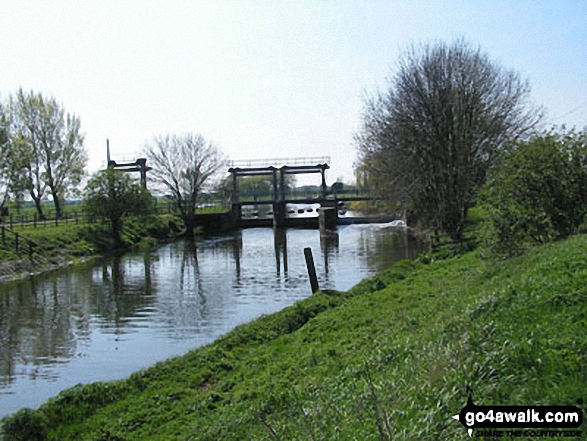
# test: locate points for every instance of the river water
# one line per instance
(107, 318)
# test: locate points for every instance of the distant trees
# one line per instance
(428, 140)
(43, 149)
(184, 166)
(255, 185)
(113, 195)
(537, 192)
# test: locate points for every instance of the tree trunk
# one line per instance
(189, 222)
(57, 204)
(38, 206)
(116, 227)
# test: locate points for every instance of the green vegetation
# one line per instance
(537, 193)
(391, 358)
(113, 196)
(427, 141)
(42, 150)
(66, 242)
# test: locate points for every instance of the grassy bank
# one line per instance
(57, 244)
(77, 237)
(390, 358)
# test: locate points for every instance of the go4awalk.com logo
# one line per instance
(520, 421)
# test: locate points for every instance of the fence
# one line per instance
(32, 219)
(13, 241)
(22, 220)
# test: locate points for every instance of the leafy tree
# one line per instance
(113, 195)
(428, 140)
(537, 192)
(184, 165)
(45, 148)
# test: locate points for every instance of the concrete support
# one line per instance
(323, 187)
(274, 182)
(279, 215)
(235, 195)
(282, 183)
(237, 213)
(328, 217)
(142, 166)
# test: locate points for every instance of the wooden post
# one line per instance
(16, 241)
(311, 269)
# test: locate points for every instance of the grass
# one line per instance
(58, 244)
(389, 359)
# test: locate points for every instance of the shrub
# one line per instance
(25, 425)
(537, 193)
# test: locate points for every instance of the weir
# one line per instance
(280, 196)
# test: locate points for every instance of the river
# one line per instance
(107, 318)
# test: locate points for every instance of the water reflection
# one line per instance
(121, 289)
(108, 318)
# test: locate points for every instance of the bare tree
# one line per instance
(184, 165)
(428, 140)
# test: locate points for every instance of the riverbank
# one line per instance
(392, 356)
(58, 246)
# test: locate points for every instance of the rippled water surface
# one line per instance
(108, 318)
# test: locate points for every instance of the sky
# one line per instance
(269, 79)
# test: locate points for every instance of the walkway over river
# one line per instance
(280, 195)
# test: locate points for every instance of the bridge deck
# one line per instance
(316, 200)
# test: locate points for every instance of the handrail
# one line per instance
(278, 162)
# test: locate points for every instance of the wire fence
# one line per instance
(31, 219)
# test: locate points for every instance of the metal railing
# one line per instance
(279, 162)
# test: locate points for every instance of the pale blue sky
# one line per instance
(268, 78)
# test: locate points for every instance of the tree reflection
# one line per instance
(41, 321)
(124, 290)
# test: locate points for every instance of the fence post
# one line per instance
(11, 221)
(311, 269)
(16, 241)
(3, 235)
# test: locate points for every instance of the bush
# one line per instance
(537, 193)
(25, 425)
(114, 196)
